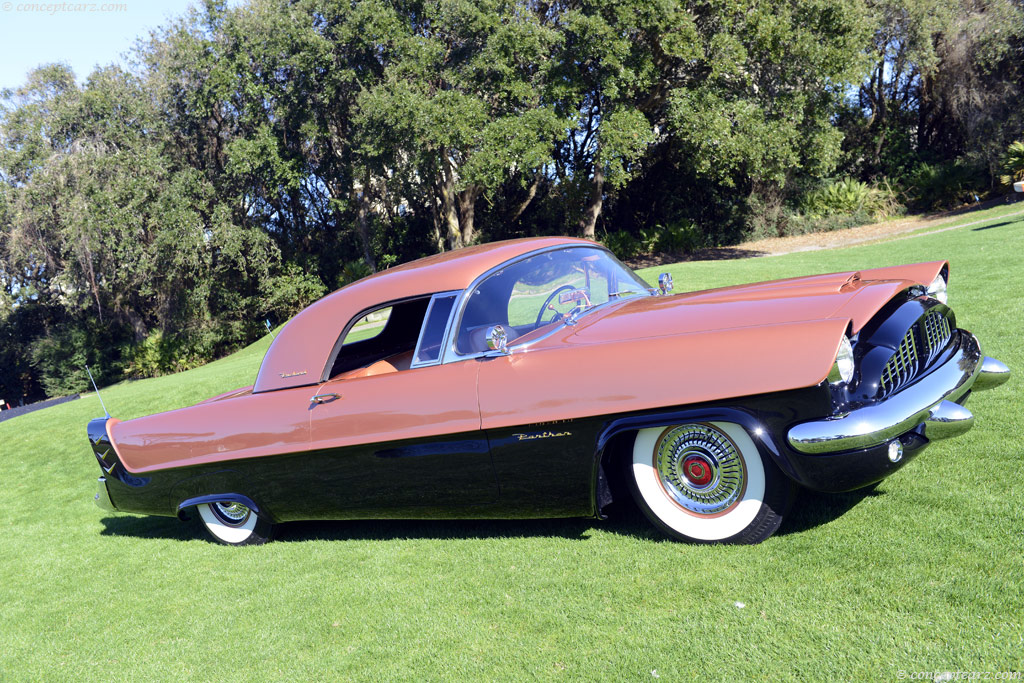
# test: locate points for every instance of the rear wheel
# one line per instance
(233, 523)
(707, 482)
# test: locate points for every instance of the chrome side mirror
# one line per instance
(497, 339)
(665, 283)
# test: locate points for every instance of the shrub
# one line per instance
(624, 245)
(1013, 164)
(943, 186)
(158, 355)
(677, 238)
(851, 198)
(680, 238)
(353, 271)
(60, 357)
(799, 224)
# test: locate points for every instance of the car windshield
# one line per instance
(550, 287)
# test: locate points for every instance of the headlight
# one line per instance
(937, 289)
(842, 369)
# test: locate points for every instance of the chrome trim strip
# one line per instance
(993, 373)
(444, 334)
(899, 412)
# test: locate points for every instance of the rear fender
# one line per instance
(184, 505)
(223, 486)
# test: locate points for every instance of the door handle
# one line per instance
(324, 398)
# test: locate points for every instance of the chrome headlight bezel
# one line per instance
(843, 365)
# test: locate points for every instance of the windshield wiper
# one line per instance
(624, 292)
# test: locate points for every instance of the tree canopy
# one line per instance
(256, 156)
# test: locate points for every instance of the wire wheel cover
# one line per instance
(700, 469)
(232, 514)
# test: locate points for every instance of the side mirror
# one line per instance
(497, 340)
(665, 283)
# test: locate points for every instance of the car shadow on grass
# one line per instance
(395, 529)
(811, 510)
(169, 528)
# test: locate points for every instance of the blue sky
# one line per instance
(82, 34)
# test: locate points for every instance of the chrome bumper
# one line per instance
(102, 498)
(930, 401)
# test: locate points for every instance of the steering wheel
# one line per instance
(544, 307)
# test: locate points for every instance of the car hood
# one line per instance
(821, 297)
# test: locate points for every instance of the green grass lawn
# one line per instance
(924, 573)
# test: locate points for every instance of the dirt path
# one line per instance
(864, 234)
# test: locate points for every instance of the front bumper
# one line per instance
(102, 497)
(930, 403)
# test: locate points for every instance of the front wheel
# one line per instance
(233, 523)
(707, 482)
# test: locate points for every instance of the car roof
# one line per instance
(299, 353)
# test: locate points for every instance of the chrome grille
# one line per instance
(902, 366)
(936, 331)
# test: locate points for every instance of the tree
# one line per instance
(755, 110)
(610, 85)
(945, 82)
(460, 107)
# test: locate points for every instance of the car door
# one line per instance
(402, 434)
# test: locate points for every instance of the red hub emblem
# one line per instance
(698, 470)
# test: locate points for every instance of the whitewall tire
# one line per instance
(707, 482)
(233, 523)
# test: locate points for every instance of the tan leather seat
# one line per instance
(381, 367)
(401, 361)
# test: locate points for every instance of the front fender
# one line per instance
(747, 419)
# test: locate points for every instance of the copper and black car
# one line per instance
(542, 378)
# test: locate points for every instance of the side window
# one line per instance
(386, 334)
(368, 327)
(428, 349)
(525, 301)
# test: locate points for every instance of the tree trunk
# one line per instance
(593, 210)
(363, 221)
(467, 210)
(90, 273)
(879, 118)
(448, 200)
(139, 328)
(530, 194)
(438, 237)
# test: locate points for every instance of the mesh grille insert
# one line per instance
(902, 366)
(936, 331)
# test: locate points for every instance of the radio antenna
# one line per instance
(97, 391)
